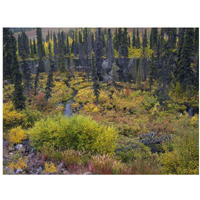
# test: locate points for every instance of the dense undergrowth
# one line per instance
(104, 136)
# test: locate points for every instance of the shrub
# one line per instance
(16, 135)
(184, 159)
(31, 116)
(11, 117)
(50, 168)
(20, 164)
(85, 95)
(77, 132)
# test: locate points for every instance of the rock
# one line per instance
(151, 139)
(61, 165)
(19, 147)
(39, 170)
(19, 171)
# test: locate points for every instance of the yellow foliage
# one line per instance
(11, 117)
(85, 95)
(21, 164)
(195, 120)
(49, 168)
(16, 135)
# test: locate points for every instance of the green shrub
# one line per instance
(184, 159)
(31, 116)
(77, 132)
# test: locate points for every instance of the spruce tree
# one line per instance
(18, 98)
(138, 40)
(151, 71)
(153, 37)
(34, 48)
(109, 49)
(99, 54)
(133, 39)
(40, 49)
(124, 43)
(7, 53)
(185, 73)
(49, 84)
(55, 49)
(115, 41)
(75, 45)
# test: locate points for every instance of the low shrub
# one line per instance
(16, 135)
(77, 132)
(11, 117)
(20, 164)
(184, 159)
(49, 168)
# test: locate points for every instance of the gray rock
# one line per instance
(153, 138)
(39, 170)
(61, 165)
(19, 171)
(19, 147)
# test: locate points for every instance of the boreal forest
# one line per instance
(101, 101)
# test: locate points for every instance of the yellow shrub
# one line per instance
(195, 120)
(16, 135)
(11, 117)
(95, 110)
(21, 164)
(85, 95)
(49, 168)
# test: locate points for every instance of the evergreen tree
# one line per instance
(61, 57)
(133, 39)
(115, 41)
(68, 51)
(92, 38)
(153, 37)
(18, 98)
(24, 46)
(138, 40)
(49, 84)
(151, 71)
(145, 40)
(109, 49)
(7, 53)
(75, 45)
(119, 38)
(34, 47)
(31, 48)
(40, 49)
(196, 41)
(99, 54)
(129, 40)
(19, 45)
(185, 73)
(55, 49)
(124, 43)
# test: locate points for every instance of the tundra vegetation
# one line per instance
(101, 101)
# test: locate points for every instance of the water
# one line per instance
(68, 110)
